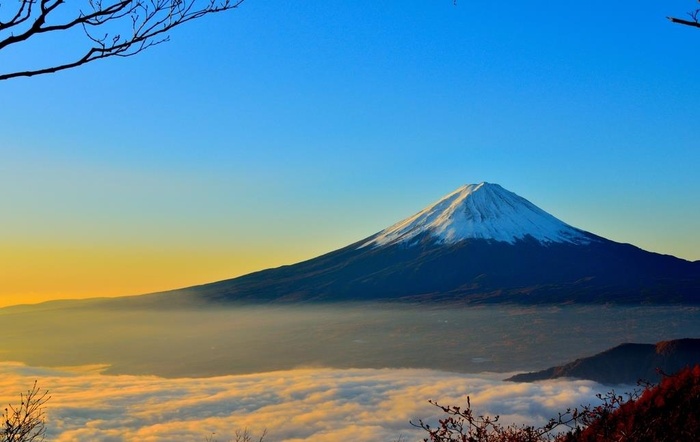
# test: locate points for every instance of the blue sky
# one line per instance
(283, 130)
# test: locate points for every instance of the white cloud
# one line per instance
(294, 406)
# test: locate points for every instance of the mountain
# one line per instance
(625, 364)
(480, 243)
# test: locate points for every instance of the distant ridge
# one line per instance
(625, 364)
(479, 244)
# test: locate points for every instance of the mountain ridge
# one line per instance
(625, 363)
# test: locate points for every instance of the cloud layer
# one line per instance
(294, 405)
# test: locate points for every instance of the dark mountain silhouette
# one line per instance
(479, 244)
(625, 364)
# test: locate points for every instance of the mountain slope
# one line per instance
(480, 243)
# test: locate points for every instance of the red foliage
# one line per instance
(669, 411)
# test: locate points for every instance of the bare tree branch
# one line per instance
(115, 28)
(694, 19)
(694, 23)
(25, 422)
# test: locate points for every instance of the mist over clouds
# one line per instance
(217, 341)
(294, 405)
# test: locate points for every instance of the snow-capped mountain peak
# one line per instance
(481, 211)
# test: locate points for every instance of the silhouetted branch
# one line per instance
(462, 425)
(694, 19)
(116, 28)
(685, 22)
(25, 422)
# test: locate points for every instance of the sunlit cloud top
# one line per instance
(294, 406)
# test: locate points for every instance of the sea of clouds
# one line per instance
(309, 404)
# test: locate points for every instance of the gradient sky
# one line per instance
(283, 130)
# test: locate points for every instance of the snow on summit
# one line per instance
(482, 211)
